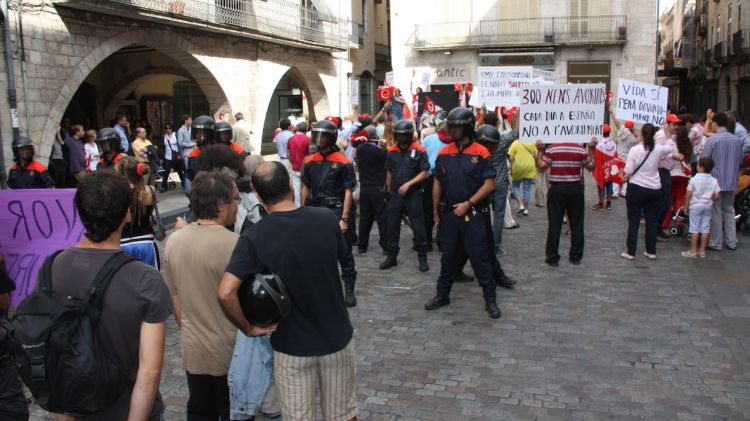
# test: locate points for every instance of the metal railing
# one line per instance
(277, 18)
(357, 35)
(382, 51)
(529, 31)
(720, 52)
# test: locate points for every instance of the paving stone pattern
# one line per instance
(610, 339)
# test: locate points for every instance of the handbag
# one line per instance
(156, 223)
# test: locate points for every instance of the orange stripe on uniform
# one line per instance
(36, 166)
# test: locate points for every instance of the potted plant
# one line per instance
(621, 31)
(177, 7)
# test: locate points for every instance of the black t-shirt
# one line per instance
(371, 164)
(302, 247)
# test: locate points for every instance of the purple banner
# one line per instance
(34, 224)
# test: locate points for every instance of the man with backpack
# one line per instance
(103, 360)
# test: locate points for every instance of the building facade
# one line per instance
(575, 40)
(155, 60)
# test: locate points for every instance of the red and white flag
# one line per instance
(606, 153)
(429, 105)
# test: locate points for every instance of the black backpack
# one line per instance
(59, 357)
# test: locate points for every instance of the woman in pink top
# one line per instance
(644, 189)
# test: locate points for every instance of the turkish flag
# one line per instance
(429, 105)
(385, 92)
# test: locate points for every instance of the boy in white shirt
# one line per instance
(702, 190)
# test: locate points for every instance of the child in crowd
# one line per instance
(702, 190)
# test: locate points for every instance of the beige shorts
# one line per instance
(296, 379)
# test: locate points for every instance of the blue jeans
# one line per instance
(608, 189)
(527, 183)
(499, 195)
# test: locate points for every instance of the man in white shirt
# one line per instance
(242, 132)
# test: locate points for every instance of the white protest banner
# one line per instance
(389, 79)
(561, 113)
(354, 91)
(425, 79)
(545, 74)
(497, 86)
(641, 102)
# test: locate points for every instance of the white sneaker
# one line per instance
(526, 212)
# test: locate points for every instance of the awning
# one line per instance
(324, 13)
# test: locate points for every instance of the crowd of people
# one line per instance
(260, 275)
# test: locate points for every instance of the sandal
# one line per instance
(702, 255)
(625, 255)
(649, 255)
(597, 207)
(688, 254)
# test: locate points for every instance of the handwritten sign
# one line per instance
(34, 224)
(497, 86)
(561, 113)
(641, 102)
(354, 91)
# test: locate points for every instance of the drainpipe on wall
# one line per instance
(12, 98)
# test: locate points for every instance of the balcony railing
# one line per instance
(522, 32)
(720, 53)
(357, 38)
(273, 18)
(741, 43)
(382, 52)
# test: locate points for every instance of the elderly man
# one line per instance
(725, 149)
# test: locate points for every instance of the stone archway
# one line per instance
(166, 42)
(124, 86)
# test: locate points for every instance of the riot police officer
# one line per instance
(489, 137)
(464, 179)
(203, 133)
(406, 168)
(27, 173)
(225, 136)
(328, 181)
(110, 146)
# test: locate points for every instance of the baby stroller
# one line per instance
(742, 210)
(680, 223)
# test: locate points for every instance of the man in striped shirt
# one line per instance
(566, 162)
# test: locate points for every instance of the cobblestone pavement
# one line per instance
(610, 339)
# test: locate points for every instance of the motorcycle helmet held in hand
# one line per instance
(264, 300)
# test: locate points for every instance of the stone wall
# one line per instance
(62, 46)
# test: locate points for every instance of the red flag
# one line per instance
(429, 105)
(606, 153)
(385, 92)
(458, 87)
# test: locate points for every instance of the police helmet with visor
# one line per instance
(461, 117)
(108, 140)
(324, 134)
(224, 133)
(488, 136)
(23, 150)
(202, 130)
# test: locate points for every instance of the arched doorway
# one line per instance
(291, 99)
(99, 68)
(146, 85)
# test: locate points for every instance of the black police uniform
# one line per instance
(461, 172)
(32, 176)
(403, 166)
(372, 195)
(327, 177)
